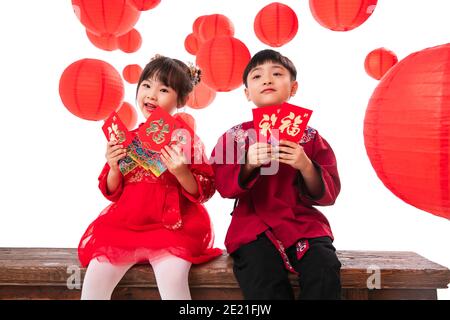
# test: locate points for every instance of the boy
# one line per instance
(275, 229)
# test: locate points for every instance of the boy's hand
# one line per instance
(174, 159)
(293, 154)
(258, 154)
(114, 152)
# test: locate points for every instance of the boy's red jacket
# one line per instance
(278, 202)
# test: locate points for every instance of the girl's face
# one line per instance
(152, 93)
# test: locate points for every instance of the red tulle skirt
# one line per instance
(130, 231)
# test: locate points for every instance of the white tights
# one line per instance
(171, 275)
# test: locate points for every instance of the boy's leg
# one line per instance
(101, 278)
(319, 270)
(171, 275)
(260, 271)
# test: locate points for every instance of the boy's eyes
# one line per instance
(257, 76)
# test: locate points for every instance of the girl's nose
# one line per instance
(151, 95)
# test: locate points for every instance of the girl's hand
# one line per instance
(114, 152)
(259, 154)
(293, 154)
(175, 160)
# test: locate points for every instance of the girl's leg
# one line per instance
(171, 275)
(101, 278)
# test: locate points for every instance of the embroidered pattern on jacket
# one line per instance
(140, 175)
(308, 135)
(239, 135)
(199, 150)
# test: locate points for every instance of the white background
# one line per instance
(51, 159)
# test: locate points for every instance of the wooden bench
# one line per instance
(53, 273)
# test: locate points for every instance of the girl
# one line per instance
(156, 219)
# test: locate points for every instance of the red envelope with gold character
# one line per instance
(157, 131)
(115, 129)
(292, 122)
(265, 120)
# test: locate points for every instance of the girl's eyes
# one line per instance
(277, 74)
(256, 76)
(146, 85)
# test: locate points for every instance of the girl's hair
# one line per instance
(267, 55)
(172, 73)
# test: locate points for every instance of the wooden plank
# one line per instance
(49, 266)
(141, 293)
(120, 293)
(403, 294)
(355, 294)
(38, 293)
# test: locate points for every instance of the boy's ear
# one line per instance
(247, 94)
(294, 88)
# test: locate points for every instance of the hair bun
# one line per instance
(156, 56)
(194, 74)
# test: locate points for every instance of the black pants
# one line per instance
(261, 273)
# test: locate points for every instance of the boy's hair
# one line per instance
(267, 55)
(172, 73)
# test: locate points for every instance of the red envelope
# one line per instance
(157, 131)
(265, 120)
(115, 129)
(292, 122)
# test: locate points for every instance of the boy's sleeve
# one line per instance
(324, 161)
(203, 174)
(102, 180)
(227, 160)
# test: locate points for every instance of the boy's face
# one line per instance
(269, 84)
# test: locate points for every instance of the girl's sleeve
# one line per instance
(324, 161)
(203, 174)
(102, 179)
(227, 160)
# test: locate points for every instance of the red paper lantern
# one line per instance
(196, 25)
(108, 43)
(186, 117)
(191, 44)
(379, 61)
(222, 61)
(215, 25)
(342, 15)
(131, 73)
(104, 18)
(276, 24)
(91, 89)
(127, 113)
(201, 97)
(144, 5)
(407, 130)
(130, 42)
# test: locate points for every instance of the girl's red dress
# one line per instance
(151, 216)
